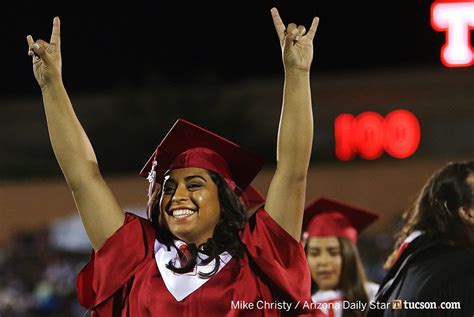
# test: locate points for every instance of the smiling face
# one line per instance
(325, 261)
(189, 204)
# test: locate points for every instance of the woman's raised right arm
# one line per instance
(99, 210)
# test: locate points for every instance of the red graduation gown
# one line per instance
(122, 278)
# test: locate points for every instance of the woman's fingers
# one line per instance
(36, 51)
(39, 48)
(293, 32)
(301, 29)
(30, 41)
(313, 28)
(291, 28)
(279, 26)
(56, 33)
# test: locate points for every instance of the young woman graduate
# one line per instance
(330, 233)
(197, 255)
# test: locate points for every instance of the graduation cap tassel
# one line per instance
(151, 187)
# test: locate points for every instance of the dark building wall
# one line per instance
(125, 125)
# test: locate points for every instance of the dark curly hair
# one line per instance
(226, 236)
(435, 210)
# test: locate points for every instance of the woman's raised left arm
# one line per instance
(286, 194)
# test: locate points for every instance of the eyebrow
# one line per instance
(187, 178)
(169, 178)
(330, 248)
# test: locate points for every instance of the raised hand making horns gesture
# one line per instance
(296, 43)
(46, 56)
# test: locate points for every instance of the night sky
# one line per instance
(130, 44)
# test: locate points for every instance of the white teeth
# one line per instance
(181, 213)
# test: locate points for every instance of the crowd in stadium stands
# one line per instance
(38, 281)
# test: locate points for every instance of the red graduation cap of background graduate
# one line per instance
(189, 145)
(327, 217)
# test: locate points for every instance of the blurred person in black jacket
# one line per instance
(431, 270)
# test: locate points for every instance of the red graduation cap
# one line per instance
(327, 217)
(252, 199)
(189, 145)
